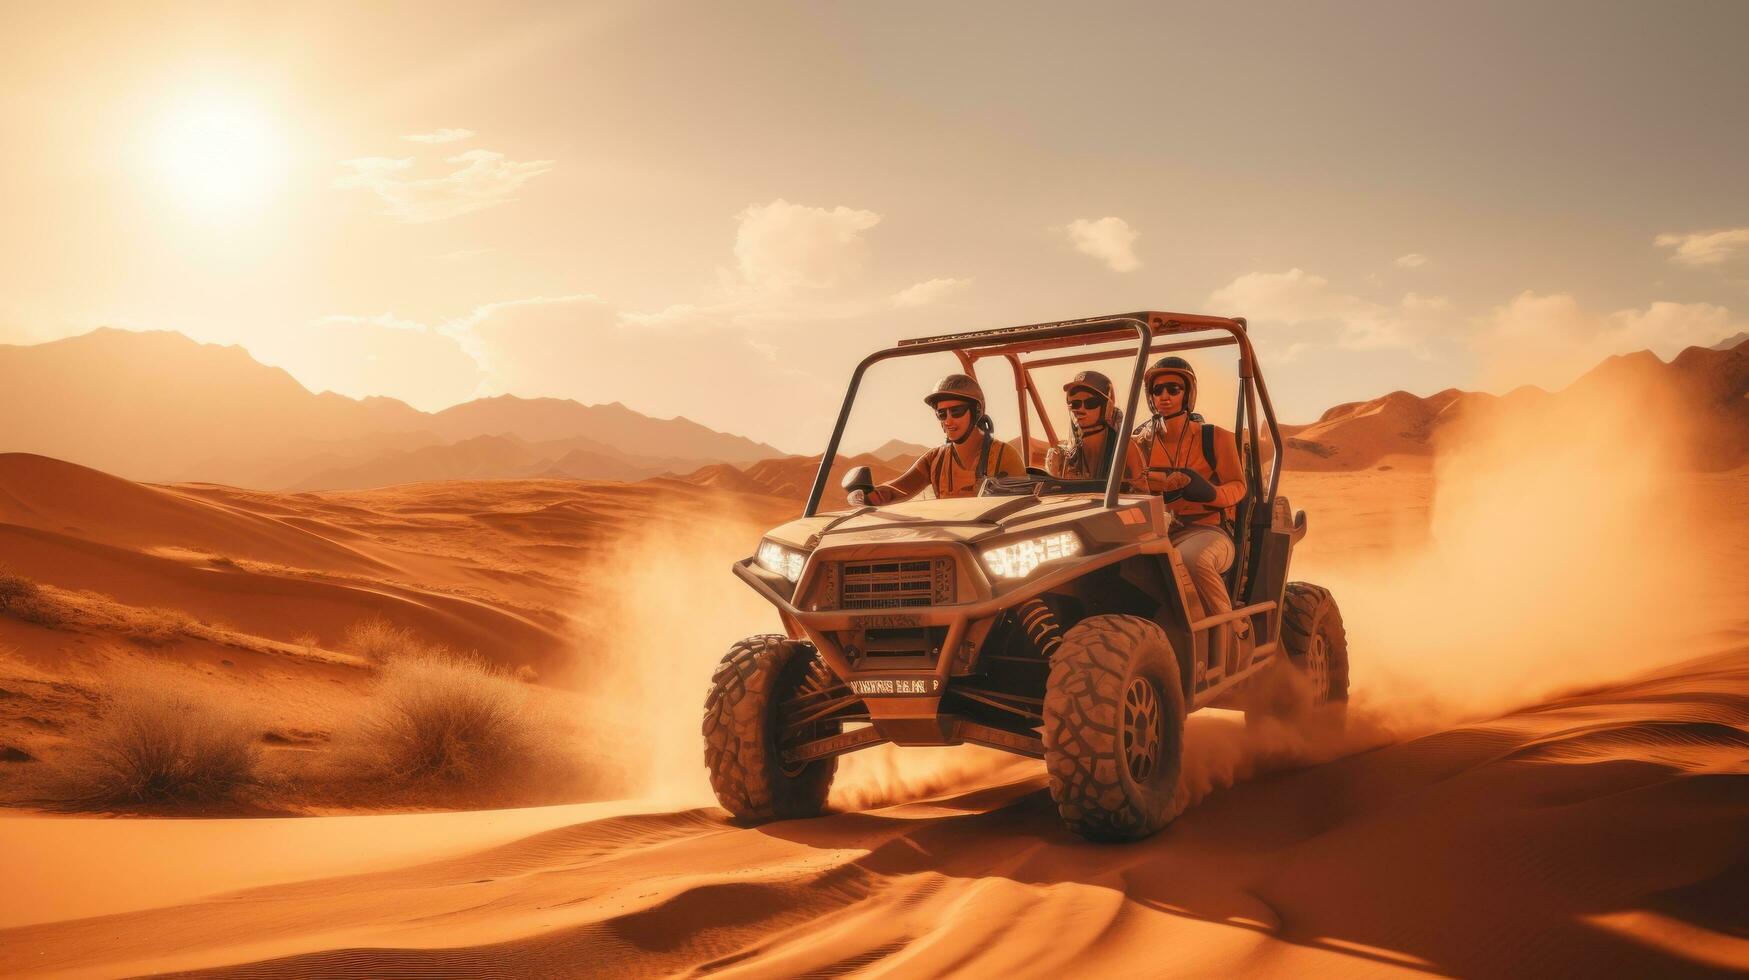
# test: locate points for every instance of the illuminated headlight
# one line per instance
(775, 558)
(1017, 560)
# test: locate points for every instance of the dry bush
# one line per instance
(154, 624)
(154, 744)
(381, 641)
(23, 599)
(14, 588)
(443, 719)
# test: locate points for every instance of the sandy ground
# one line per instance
(1546, 779)
(1596, 834)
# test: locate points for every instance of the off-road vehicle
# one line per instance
(1045, 617)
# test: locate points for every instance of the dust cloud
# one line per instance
(1561, 552)
(660, 609)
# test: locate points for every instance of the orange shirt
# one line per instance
(953, 469)
(1178, 443)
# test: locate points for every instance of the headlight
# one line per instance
(777, 559)
(1018, 559)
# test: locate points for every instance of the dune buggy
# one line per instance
(1049, 618)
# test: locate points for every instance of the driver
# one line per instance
(1092, 443)
(956, 467)
(1195, 467)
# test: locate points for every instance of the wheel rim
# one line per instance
(1318, 669)
(1142, 729)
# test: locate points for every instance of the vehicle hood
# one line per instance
(961, 519)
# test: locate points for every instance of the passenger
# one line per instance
(1096, 422)
(1195, 466)
(955, 468)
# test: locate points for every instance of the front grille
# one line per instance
(892, 584)
(889, 648)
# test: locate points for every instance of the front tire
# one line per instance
(743, 731)
(1114, 729)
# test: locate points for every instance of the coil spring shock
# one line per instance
(1041, 626)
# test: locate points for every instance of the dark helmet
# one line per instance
(1094, 383)
(1180, 367)
(957, 386)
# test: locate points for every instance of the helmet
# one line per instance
(960, 386)
(1095, 383)
(1092, 382)
(1180, 367)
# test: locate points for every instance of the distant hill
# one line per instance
(899, 449)
(161, 407)
(1708, 387)
(791, 476)
(153, 405)
(612, 427)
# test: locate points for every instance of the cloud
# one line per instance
(1110, 240)
(782, 246)
(930, 291)
(1705, 248)
(1549, 340)
(1414, 260)
(1297, 297)
(793, 263)
(484, 178)
(440, 136)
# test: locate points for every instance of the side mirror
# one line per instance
(859, 478)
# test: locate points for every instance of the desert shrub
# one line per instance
(15, 589)
(527, 674)
(155, 743)
(23, 599)
(443, 718)
(153, 624)
(381, 641)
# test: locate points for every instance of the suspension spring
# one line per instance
(1041, 626)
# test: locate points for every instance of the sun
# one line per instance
(218, 154)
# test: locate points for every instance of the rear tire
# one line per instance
(742, 726)
(1114, 729)
(1311, 681)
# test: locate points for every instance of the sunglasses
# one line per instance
(957, 411)
(1169, 388)
(1081, 403)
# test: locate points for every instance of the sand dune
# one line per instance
(252, 594)
(1598, 834)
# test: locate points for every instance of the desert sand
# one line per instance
(1544, 771)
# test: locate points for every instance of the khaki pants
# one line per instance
(1207, 553)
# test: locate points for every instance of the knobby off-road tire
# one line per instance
(1114, 729)
(1311, 682)
(741, 728)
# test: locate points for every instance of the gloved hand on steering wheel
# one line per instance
(1182, 482)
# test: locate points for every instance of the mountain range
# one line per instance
(158, 406)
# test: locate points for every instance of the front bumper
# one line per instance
(903, 698)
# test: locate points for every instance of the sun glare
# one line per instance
(218, 155)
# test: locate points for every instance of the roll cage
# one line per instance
(1151, 333)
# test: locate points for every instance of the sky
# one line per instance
(715, 210)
